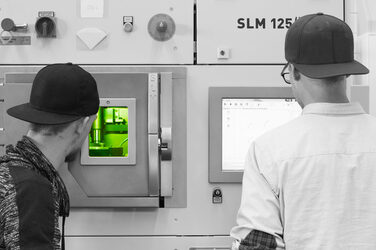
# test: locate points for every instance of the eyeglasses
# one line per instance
(286, 75)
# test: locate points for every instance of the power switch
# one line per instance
(45, 26)
(217, 196)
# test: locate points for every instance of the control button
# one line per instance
(128, 27)
(128, 23)
(7, 24)
(161, 27)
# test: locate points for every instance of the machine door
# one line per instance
(120, 158)
(127, 152)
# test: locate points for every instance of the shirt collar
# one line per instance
(333, 109)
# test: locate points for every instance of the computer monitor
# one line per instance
(238, 115)
(112, 137)
(243, 120)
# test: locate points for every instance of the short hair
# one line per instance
(328, 80)
(296, 74)
(48, 130)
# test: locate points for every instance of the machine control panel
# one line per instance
(7, 36)
(97, 32)
(237, 116)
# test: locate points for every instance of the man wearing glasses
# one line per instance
(310, 184)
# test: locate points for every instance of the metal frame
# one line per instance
(130, 103)
(216, 94)
(153, 133)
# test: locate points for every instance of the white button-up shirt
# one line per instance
(312, 182)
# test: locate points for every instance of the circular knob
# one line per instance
(45, 27)
(7, 24)
(128, 27)
(162, 26)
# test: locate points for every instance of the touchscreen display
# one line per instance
(243, 120)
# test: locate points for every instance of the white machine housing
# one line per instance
(199, 43)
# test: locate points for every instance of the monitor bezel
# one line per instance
(130, 103)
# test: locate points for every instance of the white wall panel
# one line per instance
(233, 25)
(119, 47)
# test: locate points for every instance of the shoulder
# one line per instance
(34, 192)
(29, 183)
(283, 142)
(22, 174)
(283, 133)
(13, 173)
(369, 119)
(23, 182)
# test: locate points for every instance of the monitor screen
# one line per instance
(109, 133)
(243, 120)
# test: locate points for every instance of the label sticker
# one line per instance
(15, 40)
(92, 8)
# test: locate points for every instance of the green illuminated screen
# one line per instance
(109, 134)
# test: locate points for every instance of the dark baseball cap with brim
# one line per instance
(61, 93)
(322, 46)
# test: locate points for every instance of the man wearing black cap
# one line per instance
(310, 183)
(63, 104)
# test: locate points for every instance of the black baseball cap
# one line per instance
(321, 46)
(61, 93)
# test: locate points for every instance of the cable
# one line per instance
(126, 139)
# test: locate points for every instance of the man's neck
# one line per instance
(53, 147)
(318, 92)
(328, 99)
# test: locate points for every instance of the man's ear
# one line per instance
(82, 124)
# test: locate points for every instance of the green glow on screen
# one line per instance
(109, 134)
